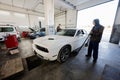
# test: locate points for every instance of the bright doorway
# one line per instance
(106, 14)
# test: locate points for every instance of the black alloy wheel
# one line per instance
(64, 54)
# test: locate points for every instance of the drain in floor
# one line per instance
(33, 62)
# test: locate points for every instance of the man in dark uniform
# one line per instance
(95, 38)
(58, 28)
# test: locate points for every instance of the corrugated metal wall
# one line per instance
(61, 19)
(67, 19)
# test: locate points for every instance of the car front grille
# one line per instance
(1, 38)
(42, 48)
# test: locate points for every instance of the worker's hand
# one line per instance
(90, 33)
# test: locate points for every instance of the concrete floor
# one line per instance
(78, 67)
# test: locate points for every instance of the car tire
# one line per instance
(19, 39)
(37, 36)
(64, 54)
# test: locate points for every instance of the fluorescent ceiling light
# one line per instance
(19, 14)
(4, 12)
(41, 18)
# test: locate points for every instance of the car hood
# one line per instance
(52, 41)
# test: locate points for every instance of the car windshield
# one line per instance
(6, 29)
(67, 32)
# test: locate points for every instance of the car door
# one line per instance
(80, 37)
(84, 35)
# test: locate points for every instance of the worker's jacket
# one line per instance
(96, 34)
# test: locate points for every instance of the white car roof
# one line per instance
(6, 26)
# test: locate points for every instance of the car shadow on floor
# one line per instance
(33, 62)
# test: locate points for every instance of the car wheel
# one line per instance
(19, 39)
(37, 36)
(64, 54)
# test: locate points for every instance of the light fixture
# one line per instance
(41, 18)
(19, 14)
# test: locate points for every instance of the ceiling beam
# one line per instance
(70, 4)
(91, 3)
(24, 3)
(38, 2)
(60, 13)
(13, 8)
(42, 3)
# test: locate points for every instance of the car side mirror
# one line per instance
(80, 34)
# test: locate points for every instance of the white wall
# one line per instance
(34, 21)
(67, 20)
(9, 18)
(20, 19)
(71, 19)
(60, 20)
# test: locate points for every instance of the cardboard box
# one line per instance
(14, 51)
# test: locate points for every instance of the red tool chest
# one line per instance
(11, 41)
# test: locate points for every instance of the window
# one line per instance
(67, 32)
(82, 32)
(78, 33)
(6, 29)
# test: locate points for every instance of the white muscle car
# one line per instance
(59, 46)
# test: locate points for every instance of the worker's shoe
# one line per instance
(94, 60)
(88, 55)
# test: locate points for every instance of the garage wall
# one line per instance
(115, 36)
(34, 21)
(7, 17)
(20, 20)
(60, 19)
(67, 19)
(117, 20)
(71, 19)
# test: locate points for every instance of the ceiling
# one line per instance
(60, 5)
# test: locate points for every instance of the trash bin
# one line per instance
(25, 34)
(11, 41)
